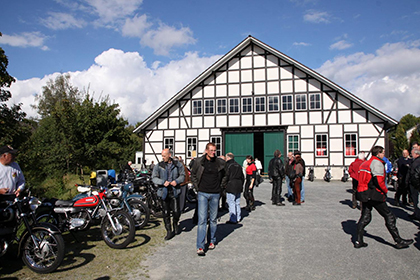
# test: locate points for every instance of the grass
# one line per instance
(88, 257)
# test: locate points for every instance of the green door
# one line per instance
(240, 144)
(272, 142)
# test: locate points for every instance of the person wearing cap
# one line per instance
(11, 176)
(302, 187)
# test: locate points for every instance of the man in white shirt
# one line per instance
(11, 176)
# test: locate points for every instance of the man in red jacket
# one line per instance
(354, 174)
(372, 192)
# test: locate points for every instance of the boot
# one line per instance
(392, 228)
(177, 230)
(169, 233)
(360, 232)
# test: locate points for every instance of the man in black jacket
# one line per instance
(207, 174)
(276, 174)
(233, 182)
(413, 180)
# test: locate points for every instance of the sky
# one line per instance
(140, 53)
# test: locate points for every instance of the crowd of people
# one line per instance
(223, 179)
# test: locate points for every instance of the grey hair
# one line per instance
(416, 151)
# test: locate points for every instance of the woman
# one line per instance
(251, 175)
(298, 170)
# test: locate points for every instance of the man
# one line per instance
(302, 188)
(168, 175)
(354, 174)
(403, 164)
(289, 164)
(233, 182)
(276, 174)
(207, 174)
(12, 180)
(413, 180)
(372, 191)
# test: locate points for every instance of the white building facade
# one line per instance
(254, 100)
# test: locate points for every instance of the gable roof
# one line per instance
(247, 41)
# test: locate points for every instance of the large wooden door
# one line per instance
(240, 144)
(272, 142)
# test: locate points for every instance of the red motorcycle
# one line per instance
(87, 208)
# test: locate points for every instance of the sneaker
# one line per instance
(280, 204)
(212, 246)
(200, 252)
(358, 244)
(403, 243)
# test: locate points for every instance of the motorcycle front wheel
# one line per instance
(140, 212)
(123, 233)
(47, 254)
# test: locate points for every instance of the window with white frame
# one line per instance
(197, 107)
(300, 101)
(259, 104)
(217, 140)
(191, 147)
(221, 106)
(169, 144)
(292, 143)
(247, 105)
(314, 101)
(287, 103)
(273, 103)
(350, 140)
(321, 142)
(209, 106)
(234, 105)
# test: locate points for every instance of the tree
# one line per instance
(399, 138)
(14, 128)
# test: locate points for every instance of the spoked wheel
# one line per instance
(156, 208)
(140, 213)
(43, 251)
(123, 233)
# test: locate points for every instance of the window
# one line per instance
(218, 142)
(351, 144)
(191, 147)
(292, 143)
(221, 106)
(234, 105)
(287, 103)
(321, 145)
(247, 105)
(300, 101)
(197, 107)
(259, 104)
(208, 106)
(315, 101)
(169, 144)
(273, 103)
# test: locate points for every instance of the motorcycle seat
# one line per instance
(64, 203)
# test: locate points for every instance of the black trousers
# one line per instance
(401, 191)
(276, 192)
(171, 204)
(355, 183)
(249, 194)
(384, 211)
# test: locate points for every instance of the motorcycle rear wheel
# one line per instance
(123, 235)
(141, 213)
(49, 256)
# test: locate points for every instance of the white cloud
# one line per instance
(301, 44)
(136, 26)
(164, 38)
(57, 21)
(341, 45)
(24, 40)
(388, 79)
(125, 77)
(112, 10)
(316, 16)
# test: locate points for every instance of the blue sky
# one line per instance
(142, 52)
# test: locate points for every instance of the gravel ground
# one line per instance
(311, 241)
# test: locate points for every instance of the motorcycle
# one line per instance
(327, 176)
(145, 186)
(311, 175)
(132, 203)
(191, 193)
(40, 244)
(86, 209)
(346, 175)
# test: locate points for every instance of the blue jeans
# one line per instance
(289, 188)
(302, 190)
(207, 203)
(233, 201)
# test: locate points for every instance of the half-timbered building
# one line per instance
(256, 99)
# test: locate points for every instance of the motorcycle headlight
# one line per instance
(34, 203)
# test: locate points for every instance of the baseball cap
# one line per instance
(7, 149)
